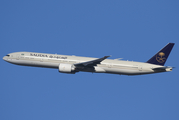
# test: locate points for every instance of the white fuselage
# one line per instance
(106, 66)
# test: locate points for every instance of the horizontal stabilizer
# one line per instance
(163, 68)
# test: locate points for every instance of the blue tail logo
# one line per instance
(161, 57)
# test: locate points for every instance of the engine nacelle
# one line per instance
(66, 68)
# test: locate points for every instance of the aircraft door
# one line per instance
(140, 68)
(109, 65)
(17, 56)
(41, 59)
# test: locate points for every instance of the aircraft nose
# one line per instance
(4, 58)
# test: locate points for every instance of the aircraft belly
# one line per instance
(125, 71)
(34, 63)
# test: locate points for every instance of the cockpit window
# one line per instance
(7, 55)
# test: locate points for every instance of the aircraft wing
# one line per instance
(92, 62)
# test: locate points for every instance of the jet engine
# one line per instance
(66, 68)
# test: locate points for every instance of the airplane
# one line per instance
(73, 64)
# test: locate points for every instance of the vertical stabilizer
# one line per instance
(161, 57)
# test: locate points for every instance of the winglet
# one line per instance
(161, 57)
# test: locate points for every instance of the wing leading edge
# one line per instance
(92, 62)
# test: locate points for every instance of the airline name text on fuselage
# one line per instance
(48, 56)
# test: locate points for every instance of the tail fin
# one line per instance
(161, 57)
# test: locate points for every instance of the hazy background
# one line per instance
(128, 29)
